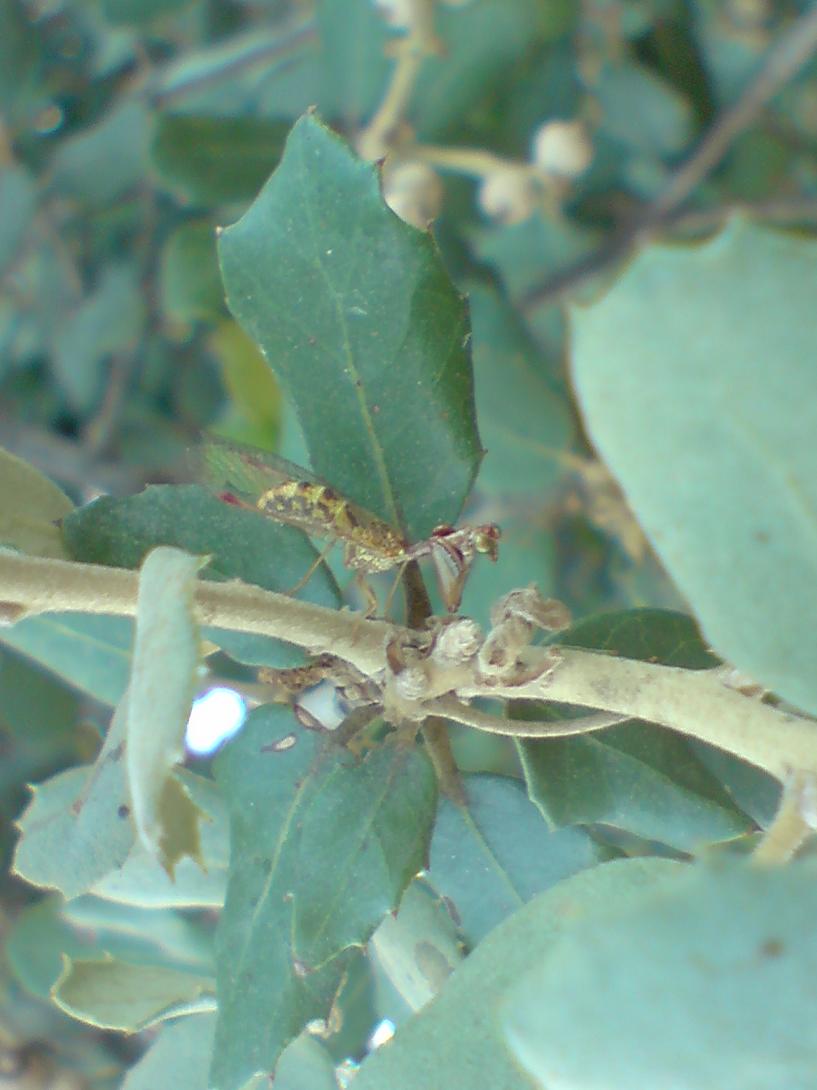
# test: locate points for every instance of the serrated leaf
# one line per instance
(493, 855)
(211, 159)
(77, 826)
(640, 778)
(90, 652)
(357, 316)
(240, 544)
(675, 358)
(688, 972)
(166, 656)
(141, 881)
(469, 1008)
(30, 507)
(90, 929)
(112, 994)
(322, 848)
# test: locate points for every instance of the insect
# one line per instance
(290, 494)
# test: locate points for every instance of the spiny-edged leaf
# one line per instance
(241, 545)
(62, 849)
(210, 159)
(468, 1010)
(643, 779)
(700, 984)
(491, 856)
(360, 321)
(30, 505)
(675, 360)
(89, 928)
(90, 652)
(418, 949)
(322, 847)
(77, 826)
(179, 1056)
(141, 880)
(113, 994)
(166, 656)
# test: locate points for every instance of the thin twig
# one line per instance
(450, 708)
(781, 64)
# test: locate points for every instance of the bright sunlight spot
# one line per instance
(215, 717)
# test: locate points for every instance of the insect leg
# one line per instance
(313, 567)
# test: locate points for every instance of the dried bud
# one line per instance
(414, 192)
(412, 683)
(458, 640)
(527, 604)
(562, 148)
(509, 193)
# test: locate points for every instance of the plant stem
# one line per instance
(789, 828)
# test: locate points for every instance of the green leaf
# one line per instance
(642, 110)
(115, 995)
(676, 359)
(137, 12)
(17, 205)
(166, 656)
(179, 1056)
(483, 44)
(637, 777)
(322, 849)
(417, 949)
(353, 64)
(109, 320)
(357, 316)
(77, 826)
(90, 652)
(214, 160)
(492, 856)
(524, 419)
(468, 1009)
(100, 164)
(30, 507)
(141, 880)
(190, 283)
(90, 929)
(241, 545)
(703, 983)
(245, 374)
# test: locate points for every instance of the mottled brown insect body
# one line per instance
(289, 494)
(370, 544)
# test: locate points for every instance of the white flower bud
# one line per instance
(414, 192)
(397, 13)
(508, 193)
(562, 148)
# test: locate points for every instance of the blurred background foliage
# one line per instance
(538, 136)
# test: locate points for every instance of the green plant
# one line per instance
(495, 849)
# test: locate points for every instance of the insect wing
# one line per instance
(244, 471)
(247, 473)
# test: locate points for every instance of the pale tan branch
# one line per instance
(448, 707)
